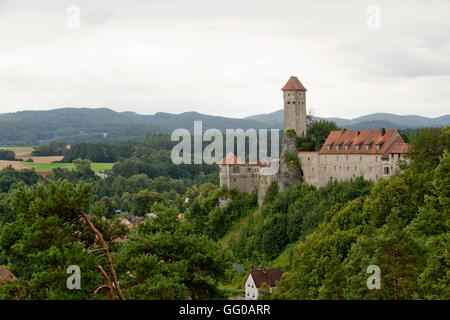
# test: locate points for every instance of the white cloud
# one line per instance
(226, 58)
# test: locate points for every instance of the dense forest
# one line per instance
(188, 246)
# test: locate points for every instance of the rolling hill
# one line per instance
(102, 124)
(370, 121)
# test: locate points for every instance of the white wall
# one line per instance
(251, 292)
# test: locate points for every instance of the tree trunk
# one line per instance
(108, 256)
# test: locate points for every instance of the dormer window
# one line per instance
(378, 146)
(337, 147)
(357, 147)
(329, 146)
(346, 147)
(368, 145)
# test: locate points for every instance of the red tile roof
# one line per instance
(362, 138)
(398, 146)
(45, 174)
(261, 276)
(230, 158)
(5, 274)
(293, 84)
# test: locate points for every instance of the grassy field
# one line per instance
(237, 229)
(20, 151)
(44, 167)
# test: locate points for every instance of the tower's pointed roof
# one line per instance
(293, 84)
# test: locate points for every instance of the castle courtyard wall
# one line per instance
(318, 168)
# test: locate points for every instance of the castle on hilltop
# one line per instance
(345, 155)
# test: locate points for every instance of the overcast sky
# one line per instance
(226, 58)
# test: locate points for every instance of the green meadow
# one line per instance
(43, 167)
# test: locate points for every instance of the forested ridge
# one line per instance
(322, 239)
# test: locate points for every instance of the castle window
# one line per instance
(334, 168)
(386, 170)
(360, 158)
(293, 102)
(325, 168)
(348, 169)
(347, 157)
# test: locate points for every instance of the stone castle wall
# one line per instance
(244, 178)
(318, 169)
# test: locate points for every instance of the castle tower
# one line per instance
(294, 96)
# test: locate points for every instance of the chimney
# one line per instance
(383, 131)
(358, 133)
(343, 130)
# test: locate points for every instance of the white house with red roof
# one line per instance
(257, 277)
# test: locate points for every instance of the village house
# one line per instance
(256, 278)
(6, 275)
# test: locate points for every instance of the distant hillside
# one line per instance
(83, 124)
(371, 121)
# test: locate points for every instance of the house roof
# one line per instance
(5, 274)
(45, 174)
(398, 146)
(293, 84)
(371, 138)
(230, 158)
(261, 275)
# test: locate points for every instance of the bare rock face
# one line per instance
(224, 201)
(289, 173)
(264, 183)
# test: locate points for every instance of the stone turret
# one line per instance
(294, 96)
